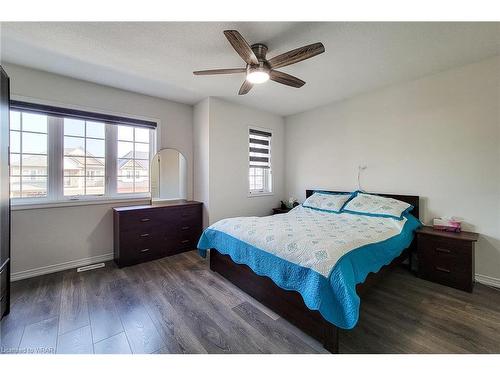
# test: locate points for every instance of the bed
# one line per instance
(281, 261)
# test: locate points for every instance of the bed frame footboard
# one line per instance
(287, 304)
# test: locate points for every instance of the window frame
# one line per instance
(134, 175)
(267, 177)
(55, 160)
(85, 176)
(21, 152)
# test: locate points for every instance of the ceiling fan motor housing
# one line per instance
(260, 51)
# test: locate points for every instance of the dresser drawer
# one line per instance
(185, 214)
(189, 239)
(182, 239)
(140, 251)
(141, 220)
(142, 234)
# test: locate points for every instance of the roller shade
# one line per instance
(260, 148)
(77, 114)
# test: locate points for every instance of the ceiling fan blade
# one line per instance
(241, 46)
(285, 79)
(245, 87)
(296, 55)
(219, 71)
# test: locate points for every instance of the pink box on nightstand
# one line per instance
(451, 224)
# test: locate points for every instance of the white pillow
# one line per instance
(375, 205)
(330, 202)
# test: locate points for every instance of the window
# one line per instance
(259, 171)
(58, 154)
(28, 155)
(84, 157)
(133, 160)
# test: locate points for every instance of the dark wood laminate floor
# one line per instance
(177, 305)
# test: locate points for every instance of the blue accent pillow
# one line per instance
(376, 205)
(325, 201)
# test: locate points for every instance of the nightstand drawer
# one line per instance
(452, 255)
(445, 246)
(447, 276)
(446, 258)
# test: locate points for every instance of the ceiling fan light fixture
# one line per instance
(257, 76)
(258, 68)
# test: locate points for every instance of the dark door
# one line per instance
(4, 194)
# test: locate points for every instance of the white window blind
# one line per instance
(259, 175)
(260, 148)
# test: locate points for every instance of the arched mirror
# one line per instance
(168, 175)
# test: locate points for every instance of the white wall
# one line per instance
(437, 137)
(46, 237)
(201, 137)
(228, 160)
(221, 159)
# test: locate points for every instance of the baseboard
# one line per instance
(488, 280)
(60, 267)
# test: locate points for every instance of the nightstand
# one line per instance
(280, 210)
(446, 258)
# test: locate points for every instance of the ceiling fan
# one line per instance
(259, 69)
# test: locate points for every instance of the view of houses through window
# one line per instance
(82, 151)
(84, 157)
(28, 155)
(133, 160)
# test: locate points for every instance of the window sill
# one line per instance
(75, 203)
(251, 195)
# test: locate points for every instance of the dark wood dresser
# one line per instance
(143, 233)
(446, 257)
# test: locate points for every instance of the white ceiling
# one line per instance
(158, 58)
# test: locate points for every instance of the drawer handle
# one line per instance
(185, 228)
(441, 250)
(145, 220)
(184, 241)
(144, 235)
(144, 250)
(443, 269)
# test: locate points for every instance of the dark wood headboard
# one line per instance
(411, 199)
